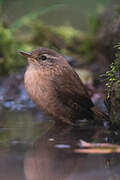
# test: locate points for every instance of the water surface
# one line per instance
(33, 148)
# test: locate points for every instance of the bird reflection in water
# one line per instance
(52, 156)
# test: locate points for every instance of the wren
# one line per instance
(56, 88)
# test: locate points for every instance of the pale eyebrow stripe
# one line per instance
(49, 56)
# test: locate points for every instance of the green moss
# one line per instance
(113, 75)
(68, 33)
(65, 39)
(10, 43)
(113, 90)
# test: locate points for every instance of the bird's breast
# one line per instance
(39, 88)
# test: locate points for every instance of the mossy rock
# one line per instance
(113, 90)
(115, 105)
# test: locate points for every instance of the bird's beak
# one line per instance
(25, 53)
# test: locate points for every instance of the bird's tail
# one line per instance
(99, 115)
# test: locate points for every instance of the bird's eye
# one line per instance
(43, 58)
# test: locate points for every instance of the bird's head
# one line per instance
(44, 57)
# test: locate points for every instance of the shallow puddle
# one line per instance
(18, 130)
(33, 148)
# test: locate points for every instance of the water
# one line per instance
(33, 148)
(18, 130)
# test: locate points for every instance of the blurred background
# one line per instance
(55, 12)
(62, 25)
(85, 32)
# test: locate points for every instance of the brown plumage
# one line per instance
(56, 88)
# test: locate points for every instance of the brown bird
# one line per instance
(56, 88)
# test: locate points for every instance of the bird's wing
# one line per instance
(71, 91)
